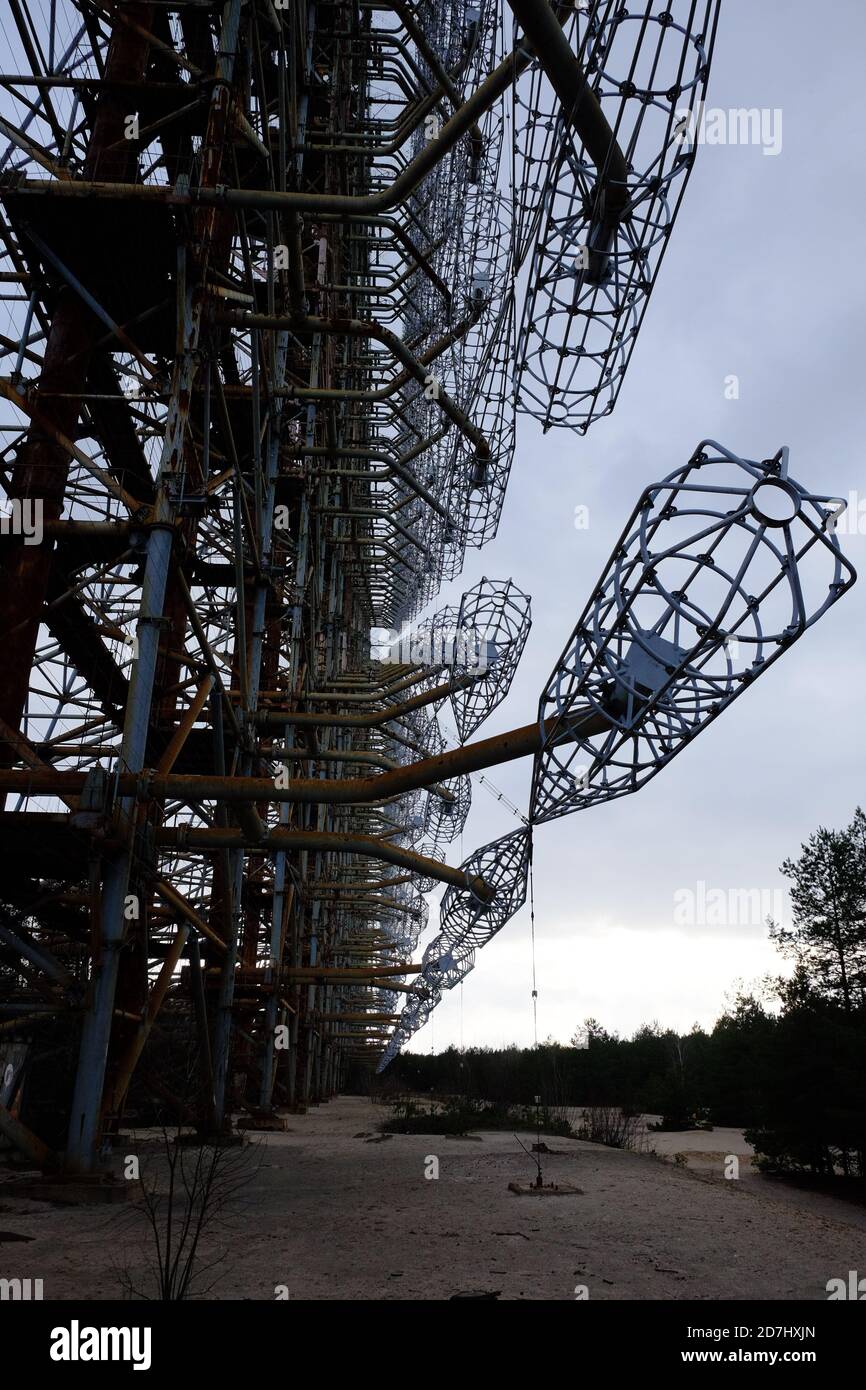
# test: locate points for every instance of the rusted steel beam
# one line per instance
(186, 909)
(367, 846)
(472, 757)
(365, 1034)
(19, 749)
(372, 972)
(181, 734)
(121, 1073)
(43, 424)
(264, 199)
(415, 368)
(26, 1141)
(277, 719)
(127, 461)
(357, 1018)
(44, 462)
(580, 104)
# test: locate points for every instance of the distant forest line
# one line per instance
(788, 1066)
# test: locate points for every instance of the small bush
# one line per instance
(608, 1124)
(457, 1115)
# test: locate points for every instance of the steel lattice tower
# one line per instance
(277, 278)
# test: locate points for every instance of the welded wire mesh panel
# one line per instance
(425, 883)
(492, 627)
(721, 568)
(446, 964)
(445, 816)
(504, 867)
(602, 230)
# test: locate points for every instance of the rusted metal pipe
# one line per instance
(471, 757)
(579, 102)
(189, 837)
(276, 719)
(263, 199)
(364, 328)
(128, 1062)
(26, 1141)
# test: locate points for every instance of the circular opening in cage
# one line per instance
(775, 502)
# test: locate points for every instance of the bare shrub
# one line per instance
(189, 1195)
(608, 1124)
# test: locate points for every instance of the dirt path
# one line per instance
(332, 1216)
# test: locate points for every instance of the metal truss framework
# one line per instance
(722, 566)
(258, 282)
(275, 279)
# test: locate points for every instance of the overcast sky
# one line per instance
(763, 279)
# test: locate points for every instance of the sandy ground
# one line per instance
(329, 1215)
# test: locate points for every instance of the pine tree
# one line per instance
(827, 937)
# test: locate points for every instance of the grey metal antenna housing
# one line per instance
(604, 231)
(447, 963)
(722, 566)
(504, 866)
(491, 631)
